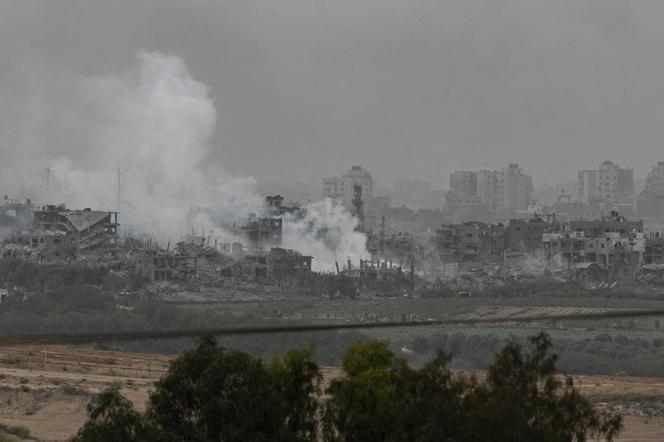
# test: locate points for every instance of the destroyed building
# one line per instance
(58, 233)
(614, 223)
(278, 264)
(619, 254)
(617, 246)
(15, 215)
(525, 235)
(276, 206)
(470, 241)
(654, 249)
(397, 247)
(263, 232)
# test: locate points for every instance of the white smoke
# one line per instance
(153, 124)
(150, 140)
(327, 233)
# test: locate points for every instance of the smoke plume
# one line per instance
(148, 135)
(327, 233)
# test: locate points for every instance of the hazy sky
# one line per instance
(307, 88)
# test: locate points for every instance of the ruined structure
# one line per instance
(524, 235)
(263, 232)
(618, 254)
(15, 215)
(616, 246)
(276, 206)
(61, 234)
(278, 264)
(470, 241)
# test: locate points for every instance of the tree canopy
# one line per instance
(210, 394)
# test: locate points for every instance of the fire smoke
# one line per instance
(149, 134)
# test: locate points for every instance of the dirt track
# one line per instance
(49, 395)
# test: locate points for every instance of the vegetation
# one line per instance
(587, 353)
(15, 430)
(210, 394)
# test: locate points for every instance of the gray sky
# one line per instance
(306, 88)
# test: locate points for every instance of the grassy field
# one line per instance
(327, 311)
(438, 308)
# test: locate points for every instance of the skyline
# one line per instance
(305, 89)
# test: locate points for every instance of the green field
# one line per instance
(435, 308)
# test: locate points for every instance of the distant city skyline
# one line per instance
(304, 89)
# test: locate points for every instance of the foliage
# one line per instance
(381, 398)
(523, 400)
(587, 353)
(210, 394)
(112, 418)
(17, 430)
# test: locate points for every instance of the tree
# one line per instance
(297, 379)
(381, 398)
(112, 418)
(366, 403)
(210, 394)
(522, 399)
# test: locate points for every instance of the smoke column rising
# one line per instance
(327, 233)
(154, 123)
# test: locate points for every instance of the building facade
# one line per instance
(516, 189)
(344, 188)
(651, 200)
(609, 184)
(506, 191)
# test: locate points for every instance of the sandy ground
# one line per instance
(46, 389)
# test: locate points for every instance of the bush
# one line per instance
(16, 430)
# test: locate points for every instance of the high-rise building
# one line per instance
(516, 189)
(345, 188)
(610, 184)
(488, 188)
(651, 200)
(506, 191)
(463, 189)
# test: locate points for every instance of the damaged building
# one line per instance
(470, 241)
(15, 215)
(60, 234)
(263, 232)
(616, 245)
(619, 254)
(278, 264)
